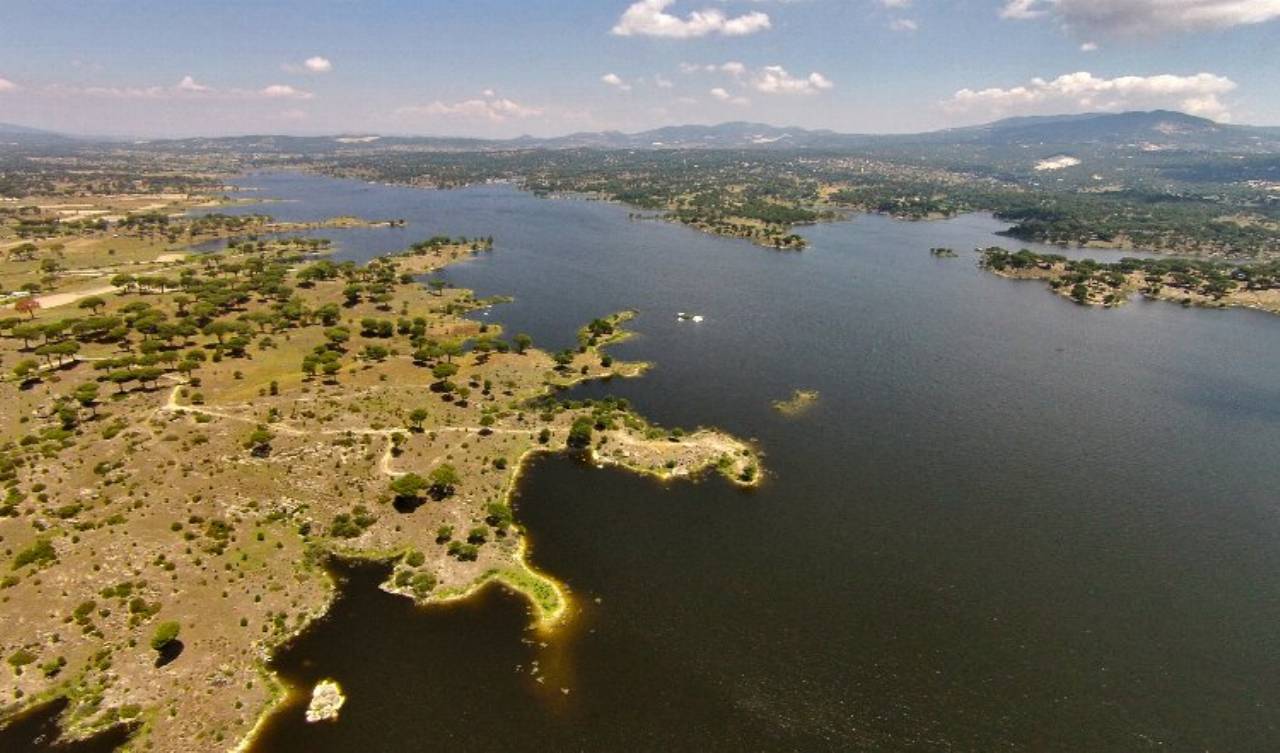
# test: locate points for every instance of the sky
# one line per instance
(502, 68)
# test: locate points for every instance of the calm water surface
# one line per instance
(1009, 524)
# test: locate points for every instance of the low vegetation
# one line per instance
(184, 451)
(1190, 282)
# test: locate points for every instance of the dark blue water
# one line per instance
(1009, 524)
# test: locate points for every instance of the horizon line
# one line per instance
(85, 136)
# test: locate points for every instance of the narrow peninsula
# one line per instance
(1190, 282)
(193, 442)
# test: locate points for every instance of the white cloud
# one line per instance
(649, 18)
(662, 82)
(723, 95)
(614, 80)
(1083, 92)
(731, 67)
(771, 79)
(284, 91)
(188, 84)
(1089, 47)
(317, 64)
(896, 3)
(313, 64)
(1141, 17)
(491, 108)
(186, 89)
(7, 86)
(1021, 10)
(774, 79)
(903, 24)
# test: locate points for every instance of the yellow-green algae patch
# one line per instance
(799, 402)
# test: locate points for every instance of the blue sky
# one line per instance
(507, 67)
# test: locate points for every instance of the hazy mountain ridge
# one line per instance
(1157, 129)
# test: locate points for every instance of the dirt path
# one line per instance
(172, 405)
(62, 299)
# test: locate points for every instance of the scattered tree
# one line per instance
(258, 442)
(166, 633)
(28, 306)
(444, 479)
(580, 432)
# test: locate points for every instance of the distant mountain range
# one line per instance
(16, 134)
(1159, 128)
(1154, 130)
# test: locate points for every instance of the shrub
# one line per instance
(422, 583)
(21, 658)
(580, 432)
(39, 553)
(443, 480)
(499, 515)
(166, 633)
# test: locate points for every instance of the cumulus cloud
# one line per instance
(1021, 10)
(284, 91)
(6, 85)
(771, 79)
(662, 82)
(732, 67)
(1145, 16)
(188, 84)
(650, 18)
(317, 64)
(491, 108)
(313, 64)
(614, 80)
(903, 24)
(187, 88)
(1083, 92)
(774, 79)
(723, 95)
(1089, 47)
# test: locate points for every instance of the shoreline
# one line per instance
(842, 212)
(549, 599)
(1205, 284)
(506, 559)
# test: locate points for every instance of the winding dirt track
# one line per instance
(172, 405)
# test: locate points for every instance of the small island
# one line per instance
(799, 402)
(326, 701)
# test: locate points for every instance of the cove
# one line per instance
(1008, 523)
